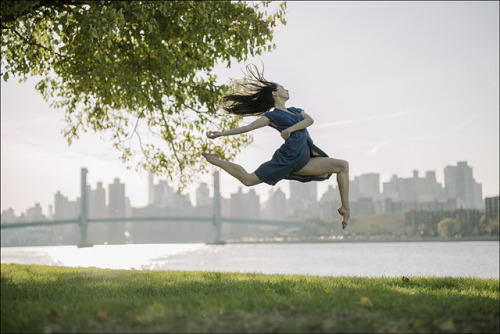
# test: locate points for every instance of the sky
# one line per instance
(392, 87)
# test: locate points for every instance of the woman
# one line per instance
(298, 158)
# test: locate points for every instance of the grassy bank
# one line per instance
(58, 299)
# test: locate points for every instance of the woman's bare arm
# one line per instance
(306, 122)
(259, 123)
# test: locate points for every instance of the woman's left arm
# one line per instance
(306, 122)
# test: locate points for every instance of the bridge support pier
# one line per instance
(217, 216)
(84, 211)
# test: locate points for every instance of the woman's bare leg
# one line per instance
(233, 169)
(320, 166)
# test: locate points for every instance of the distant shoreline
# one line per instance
(302, 241)
(363, 240)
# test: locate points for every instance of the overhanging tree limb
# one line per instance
(108, 63)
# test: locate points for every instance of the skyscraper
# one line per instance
(203, 196)
(60, 203)
(65, 209)
(329, 203)
(245, 205)
(460, 184)
(492, 207)
(116, 208)
(414, 189)
(116, 199)
(35, 213)
(167, 197)
(151, 189)
(97, 202)
(276, 205)
(303, 196)
(365, 185)
(97, 232)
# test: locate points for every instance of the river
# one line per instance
(360, 259)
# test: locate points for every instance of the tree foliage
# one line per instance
(448, 227)
(138, 71)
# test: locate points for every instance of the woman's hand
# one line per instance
(213, 134)
(285, 134)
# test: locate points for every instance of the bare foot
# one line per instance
(346, 214)
(211, 157)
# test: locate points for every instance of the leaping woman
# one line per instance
(298, 158)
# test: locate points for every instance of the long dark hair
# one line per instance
(252, 96)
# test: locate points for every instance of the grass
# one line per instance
(59, 299)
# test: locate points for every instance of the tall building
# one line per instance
(203, 195)
(245, 205)
(303, 197)
(60, 202)
(492, 207)
(428, 189)
(365, 185)
(65, 209)
(204, 203)
(414, 189)
(51, 212)
(116, 208)
(478, 195)
(97, 232)
(460, 184)
(97, 202)
(8, 216)
(276, 205)
(160, 194)
(329, 203)
(116, 199)
(151, 189)
(35, 213)
(167, 197)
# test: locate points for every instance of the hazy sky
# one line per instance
(392, 86)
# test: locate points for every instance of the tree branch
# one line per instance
(140, 141)
(170, 142)
(36, 44)
(201, 114)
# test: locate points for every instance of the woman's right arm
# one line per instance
(259, 123)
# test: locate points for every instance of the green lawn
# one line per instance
(58, 299)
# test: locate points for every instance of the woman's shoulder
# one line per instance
(277, 112)
(298, 110)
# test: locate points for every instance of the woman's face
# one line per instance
(281, 93)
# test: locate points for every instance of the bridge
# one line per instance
(216, 219)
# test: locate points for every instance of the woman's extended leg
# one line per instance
(320, 166)
(235, 170)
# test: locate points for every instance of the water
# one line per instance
(381, 259)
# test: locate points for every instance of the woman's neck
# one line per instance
(279, 105)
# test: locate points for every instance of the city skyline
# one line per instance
(392, 86)
(368, 185)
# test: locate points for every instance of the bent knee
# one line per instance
(246, 182)
(340, 166)
(345, 165)
(249, 183)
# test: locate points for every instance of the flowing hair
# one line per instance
(252, 96)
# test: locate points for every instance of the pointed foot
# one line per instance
(211, 157)
(346, 214)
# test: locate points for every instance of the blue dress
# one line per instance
(293, 155)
